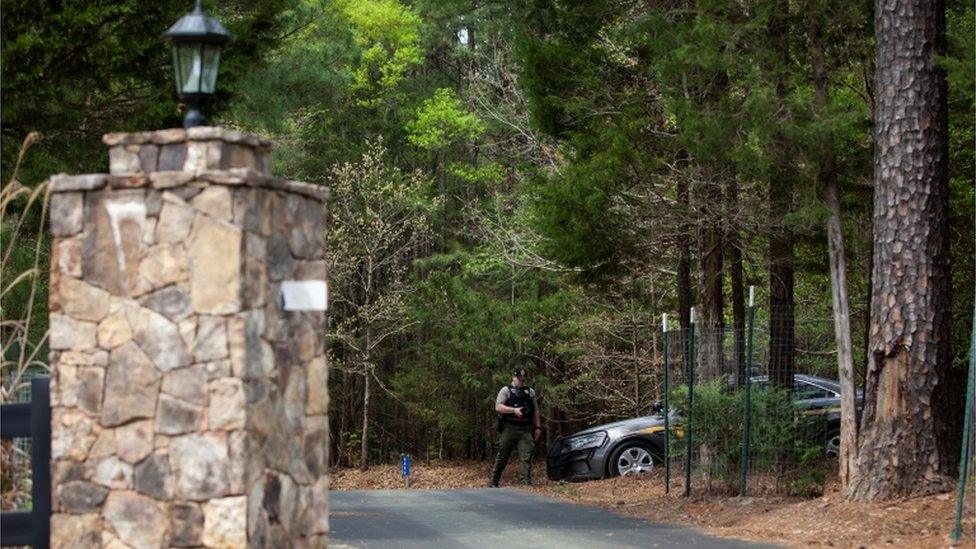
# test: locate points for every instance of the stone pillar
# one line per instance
(188, 408)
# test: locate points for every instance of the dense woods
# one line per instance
(536, 182)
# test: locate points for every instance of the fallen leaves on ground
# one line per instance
(799, 522)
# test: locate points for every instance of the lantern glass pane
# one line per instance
(176, 69)
(211, 62)
(189, 67)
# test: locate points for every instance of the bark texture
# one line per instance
(899, 452)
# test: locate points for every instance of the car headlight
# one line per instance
(583, 442)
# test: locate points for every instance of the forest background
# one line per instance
(514, 183)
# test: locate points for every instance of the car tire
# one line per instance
(831, 444)
(633, 458)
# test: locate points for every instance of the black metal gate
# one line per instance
(31, 420)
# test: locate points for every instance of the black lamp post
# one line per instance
(196, 40)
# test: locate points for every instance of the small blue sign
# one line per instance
(405, 463)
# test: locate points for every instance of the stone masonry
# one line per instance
(188, 408)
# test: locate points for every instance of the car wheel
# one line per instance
(633, 458)
(831, 444)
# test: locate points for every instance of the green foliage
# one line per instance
(387, 34)
(574, 209)
(555, 134)
(441, 121)
(782, 441)
(336, 80)
(491, 173)
(960, 64)
(73, 71)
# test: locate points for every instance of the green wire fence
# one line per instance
(736, 429)
(737, 426)
(966, 457)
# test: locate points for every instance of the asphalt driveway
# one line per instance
(493, 518)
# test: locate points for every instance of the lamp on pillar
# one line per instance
(196, 40)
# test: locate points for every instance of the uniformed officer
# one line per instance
(519, 425)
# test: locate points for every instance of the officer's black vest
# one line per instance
(519, 397)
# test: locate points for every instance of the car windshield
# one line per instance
(804, 391)
(801, 389)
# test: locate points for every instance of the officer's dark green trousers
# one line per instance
(512, 436)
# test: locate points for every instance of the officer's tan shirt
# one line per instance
(504, 394)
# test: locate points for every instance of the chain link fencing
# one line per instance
(755, 409)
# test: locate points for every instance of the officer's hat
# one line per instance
(520, 372)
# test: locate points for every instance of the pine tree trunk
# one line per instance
(364, 443)
(367, 374)
(684, 257)
(711, 358)
(347, 419)
(838, 265)
(734, 252)
(367, 365)
(899, 453)
(636, 362)
(782, 340)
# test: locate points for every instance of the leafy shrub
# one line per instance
(783, 443)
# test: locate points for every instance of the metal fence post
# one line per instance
(667, 408)
(31, 419)
(747, 401)
(967, 435)
(41, 460)
(691, 401)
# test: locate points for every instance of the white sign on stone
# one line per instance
(124, 211)
(304, 295)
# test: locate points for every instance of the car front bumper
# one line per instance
(576, 465)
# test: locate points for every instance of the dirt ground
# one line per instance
(822, 521)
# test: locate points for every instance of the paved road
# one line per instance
(486, 517)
